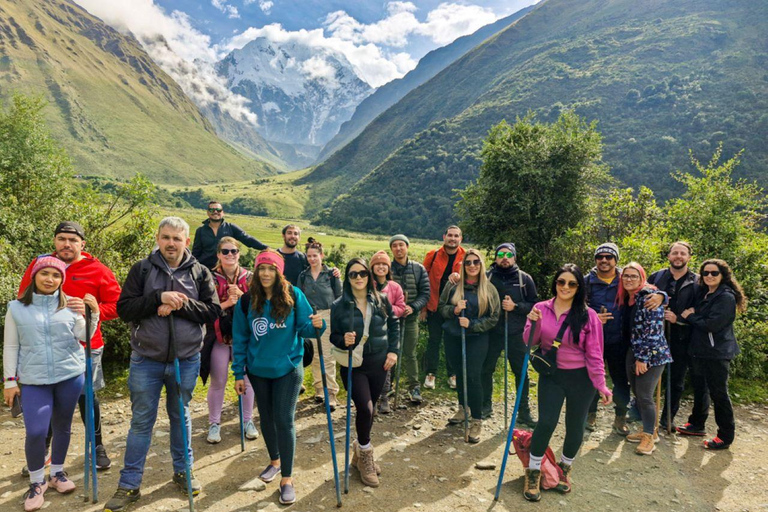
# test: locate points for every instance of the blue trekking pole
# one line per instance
(90, 432)
(182, 413)
(506, 377)
(349, 402)
(510, 432)
(242, 427)
(465, 405)
(668, 332)
(328, 415)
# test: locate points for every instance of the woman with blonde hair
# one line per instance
(473, 305)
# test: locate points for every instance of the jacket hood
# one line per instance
(186, 261)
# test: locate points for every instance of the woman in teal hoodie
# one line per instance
(267, 330)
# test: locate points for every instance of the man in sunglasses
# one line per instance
(214, 228)
(517, 292)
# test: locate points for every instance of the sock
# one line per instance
(565, 460)
(56, 468)
(535, 462)
(366, 446)
(37, 476)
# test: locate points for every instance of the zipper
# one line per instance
(711, 340)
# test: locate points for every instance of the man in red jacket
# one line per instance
(85, 274)
(442, 265)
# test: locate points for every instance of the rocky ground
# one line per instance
(426, 466)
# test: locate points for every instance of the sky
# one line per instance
(382, 39)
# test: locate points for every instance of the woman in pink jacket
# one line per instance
(579, 372)
(381, 266)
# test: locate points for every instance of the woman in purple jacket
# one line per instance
(579, 372)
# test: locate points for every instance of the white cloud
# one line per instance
(449, 21)
(317, 67)
(266, 6)
(229, 10)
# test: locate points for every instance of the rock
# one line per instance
(442, 479)
(9, 423)
(399, 447)
(367, 489)
(119, 395)
(262, 505)
(417, 427)
(417, 505)
(253, 485)
(485, 465)
(450, 450)
(314, 439)
(5, 494)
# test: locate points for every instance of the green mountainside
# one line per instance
(114, 110)
(660, 77)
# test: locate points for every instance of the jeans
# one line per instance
(329, 362)
(145, 382)
(477, 350)
(435, 327)
(712, 375)
(643, 386)
(515, 356)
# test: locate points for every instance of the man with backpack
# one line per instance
(517, 292)
(168, 286)
(215, 228)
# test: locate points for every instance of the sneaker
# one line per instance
(475, 429)
(250, 430)
(591, 424)
(638, 437)
(25, 469)
(102, 461)
(122, 499)
(34, 498)
(531, 485)
(452, 382)
(180, 479)
(620, 426)
(269, 473)
(690, 430)
(524, 418)
(415, 395)
(429, 382)
(61, 483)
(564, 485)
(287, 494)
(457, 418)
(647, 446)
(214, 433)
(319, 397)
(383, 405)
(716, 444)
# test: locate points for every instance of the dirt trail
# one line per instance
(426, 466)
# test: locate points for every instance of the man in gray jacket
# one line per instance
(169, 282)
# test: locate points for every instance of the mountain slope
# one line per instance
(660, 77)
(111, 106)
(430, 65)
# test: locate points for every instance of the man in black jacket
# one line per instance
(214, 229)
(169, 282)
(682, 286)
(414, 280)
(517, 292)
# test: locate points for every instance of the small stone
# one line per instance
(417, 427)
(450, 450)
(442, 479)
(119, 395)
(5, 494)
(367, 489)
(485, 465)
(417, 505)
(314, 439)
(253, 485)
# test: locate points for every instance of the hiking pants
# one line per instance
(712, 375)
(367, 384)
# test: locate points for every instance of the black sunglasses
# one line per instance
(604, 257)
(226, 252)
(713, 273)
(215, 210)
(354, 274)
(471, 263)
(570, 284)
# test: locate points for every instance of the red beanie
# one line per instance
(270, 258)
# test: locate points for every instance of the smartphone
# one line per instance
(16, 407)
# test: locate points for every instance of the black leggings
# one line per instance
(477, 350)
(367, 384)
(515, 356)
(575, 389)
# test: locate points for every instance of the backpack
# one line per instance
(550, 471)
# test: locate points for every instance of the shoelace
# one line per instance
(61, 476)
(34, 490)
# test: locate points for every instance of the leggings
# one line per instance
(367, 384)
(643, 387)
(575, 389)
(220, 357)
(276, 400)
(54, 405)
(477, 350)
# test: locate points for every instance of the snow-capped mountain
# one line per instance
(301, 95)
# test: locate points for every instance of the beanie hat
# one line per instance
(270, 258)
(608, 248)
(401, 238)
(506, 245)
(381, 257)
(49, 262)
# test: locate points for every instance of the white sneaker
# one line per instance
(214, 433)
(250, 430)
(452, 382)
(429, 382)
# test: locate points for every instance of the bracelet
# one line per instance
(11, 379)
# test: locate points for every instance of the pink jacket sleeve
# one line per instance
(593, 347)
(396, 298)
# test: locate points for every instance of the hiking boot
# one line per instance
(122, 499)
(475, 429)
(61, 483)
(287, 494)
(180, 479)
(332, 403)
(457, 418)
(355, 450)
(691, 430)
(564, 485)
(620, 426)
(383, 405)
(367, 467)
(716, 444)
(646, 446)
(415, 395)
(429, 381)
(319, 399)
(638, 437)
(524, 418)
(531, 489)
(102, 461)
(452, 382)
(250, 431)
(214, 434)
(591, 424)
(34, 498)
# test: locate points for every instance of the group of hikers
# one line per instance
(199, 313)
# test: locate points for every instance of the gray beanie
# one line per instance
(401, 238)
(608, 248)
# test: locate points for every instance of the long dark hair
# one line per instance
(371, 287)
(282, 295)
(578, 315)
(728, 279)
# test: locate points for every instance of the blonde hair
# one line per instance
(483, 285)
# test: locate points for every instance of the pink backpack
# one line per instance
(550, 471)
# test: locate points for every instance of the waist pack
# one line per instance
(309, 348)
(546, 363)
(550, 471)
(342, 356)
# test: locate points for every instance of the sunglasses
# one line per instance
(215, 210)
(471, 263)
(354, 274)
(713, 273)
(226, 252)
(570, 284)
(608, 257)
(502, 254)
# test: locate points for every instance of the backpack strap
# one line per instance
(245, 303)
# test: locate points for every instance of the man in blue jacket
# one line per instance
(215, 228)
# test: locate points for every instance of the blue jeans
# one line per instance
(145, 381)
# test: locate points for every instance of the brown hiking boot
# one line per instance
(367, 467)
(620, 425)
(591, 424)
(353, 462)
(475, 429)
(646, 446)
(457, 418)
(564, 485)
(638, 437)
(531, 489)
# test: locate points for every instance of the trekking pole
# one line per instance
(242, 426)
(90, 431)
(182, 413)
(510, 432)
(668, 399)
(658, 406)
(349, 402)
(328, 415)
(465, 405)
(399, 354)
(506, 377)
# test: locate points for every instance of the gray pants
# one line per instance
(643, 387)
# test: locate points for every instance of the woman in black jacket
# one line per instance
(712, 347)
(379, 353)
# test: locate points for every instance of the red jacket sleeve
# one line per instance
(26, 278)
(109, 293)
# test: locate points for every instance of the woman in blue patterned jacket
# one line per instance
(643, 331)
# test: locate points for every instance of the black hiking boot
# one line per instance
(122, 499)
